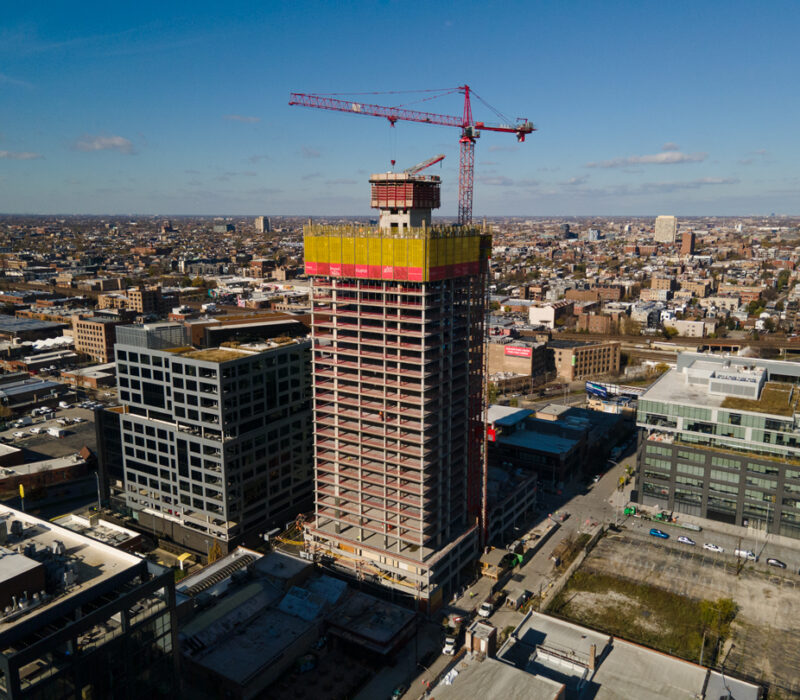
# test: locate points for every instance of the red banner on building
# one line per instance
(517, 351)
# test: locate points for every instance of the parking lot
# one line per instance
(44, 446)
(766, 641)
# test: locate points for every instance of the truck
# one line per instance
(488, 606)
(56, 432)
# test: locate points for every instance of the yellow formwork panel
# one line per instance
(400, 258)
(419, 249)
(362, 250)
(375, 248)
(387, 251)
(416, 252)
(348, 250)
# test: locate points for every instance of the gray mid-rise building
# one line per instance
(721, 440)
(216, 442)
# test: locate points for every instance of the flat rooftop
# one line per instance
(41, 541)
(103, 531)
(551, 648)
(44, 465)
(538, 441)
(560, 344)
(214, 355)
(491, 678)
(506, 415)
(776, 398)
(372, 622)
(12, 324)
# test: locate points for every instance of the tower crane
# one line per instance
(419, 167)
(470, 131)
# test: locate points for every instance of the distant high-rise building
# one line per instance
(262, 224)
(666, 229)
(398, 326)
(687, 243)
(216, 442)
(224, 228)
(565, 230)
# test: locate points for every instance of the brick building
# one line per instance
(576, 359)
(95, 336)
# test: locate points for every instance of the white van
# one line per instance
(745, 554)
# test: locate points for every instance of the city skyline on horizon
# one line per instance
(178, 110)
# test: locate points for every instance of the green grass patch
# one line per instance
(570, 548)
(646, 615)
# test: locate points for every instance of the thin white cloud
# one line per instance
(670, 146)
(19, 155)
(575, 181)
(8, 80)
(663, 158)
(105, 143)
(308, 152)
(241, 118)
(758, 156)
(503, 181)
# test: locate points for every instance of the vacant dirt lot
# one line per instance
(765, 634)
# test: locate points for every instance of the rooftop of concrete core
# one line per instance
(494, 679)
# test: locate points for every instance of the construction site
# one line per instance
(398, 328)
(397, 322)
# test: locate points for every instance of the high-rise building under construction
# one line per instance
(398, 325)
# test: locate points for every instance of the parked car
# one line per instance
(449, 646)
(655, 532)
(711, 547)
(686, 540)
(399, 692)
(745, 554)
(486, 609)
(35, 431)
(776, 562)
(19, 434)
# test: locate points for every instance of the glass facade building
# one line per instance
(721, 440)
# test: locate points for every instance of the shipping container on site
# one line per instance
(414, 254)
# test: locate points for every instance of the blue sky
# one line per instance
(182, 108)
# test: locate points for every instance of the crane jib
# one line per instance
(470, 130)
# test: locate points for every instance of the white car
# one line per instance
(78, 420)
(486, 609)
(35, 431)
(713, 547)
(686, 540)
(19, 434)
(449, 646)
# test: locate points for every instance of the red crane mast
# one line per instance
(470, 132)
